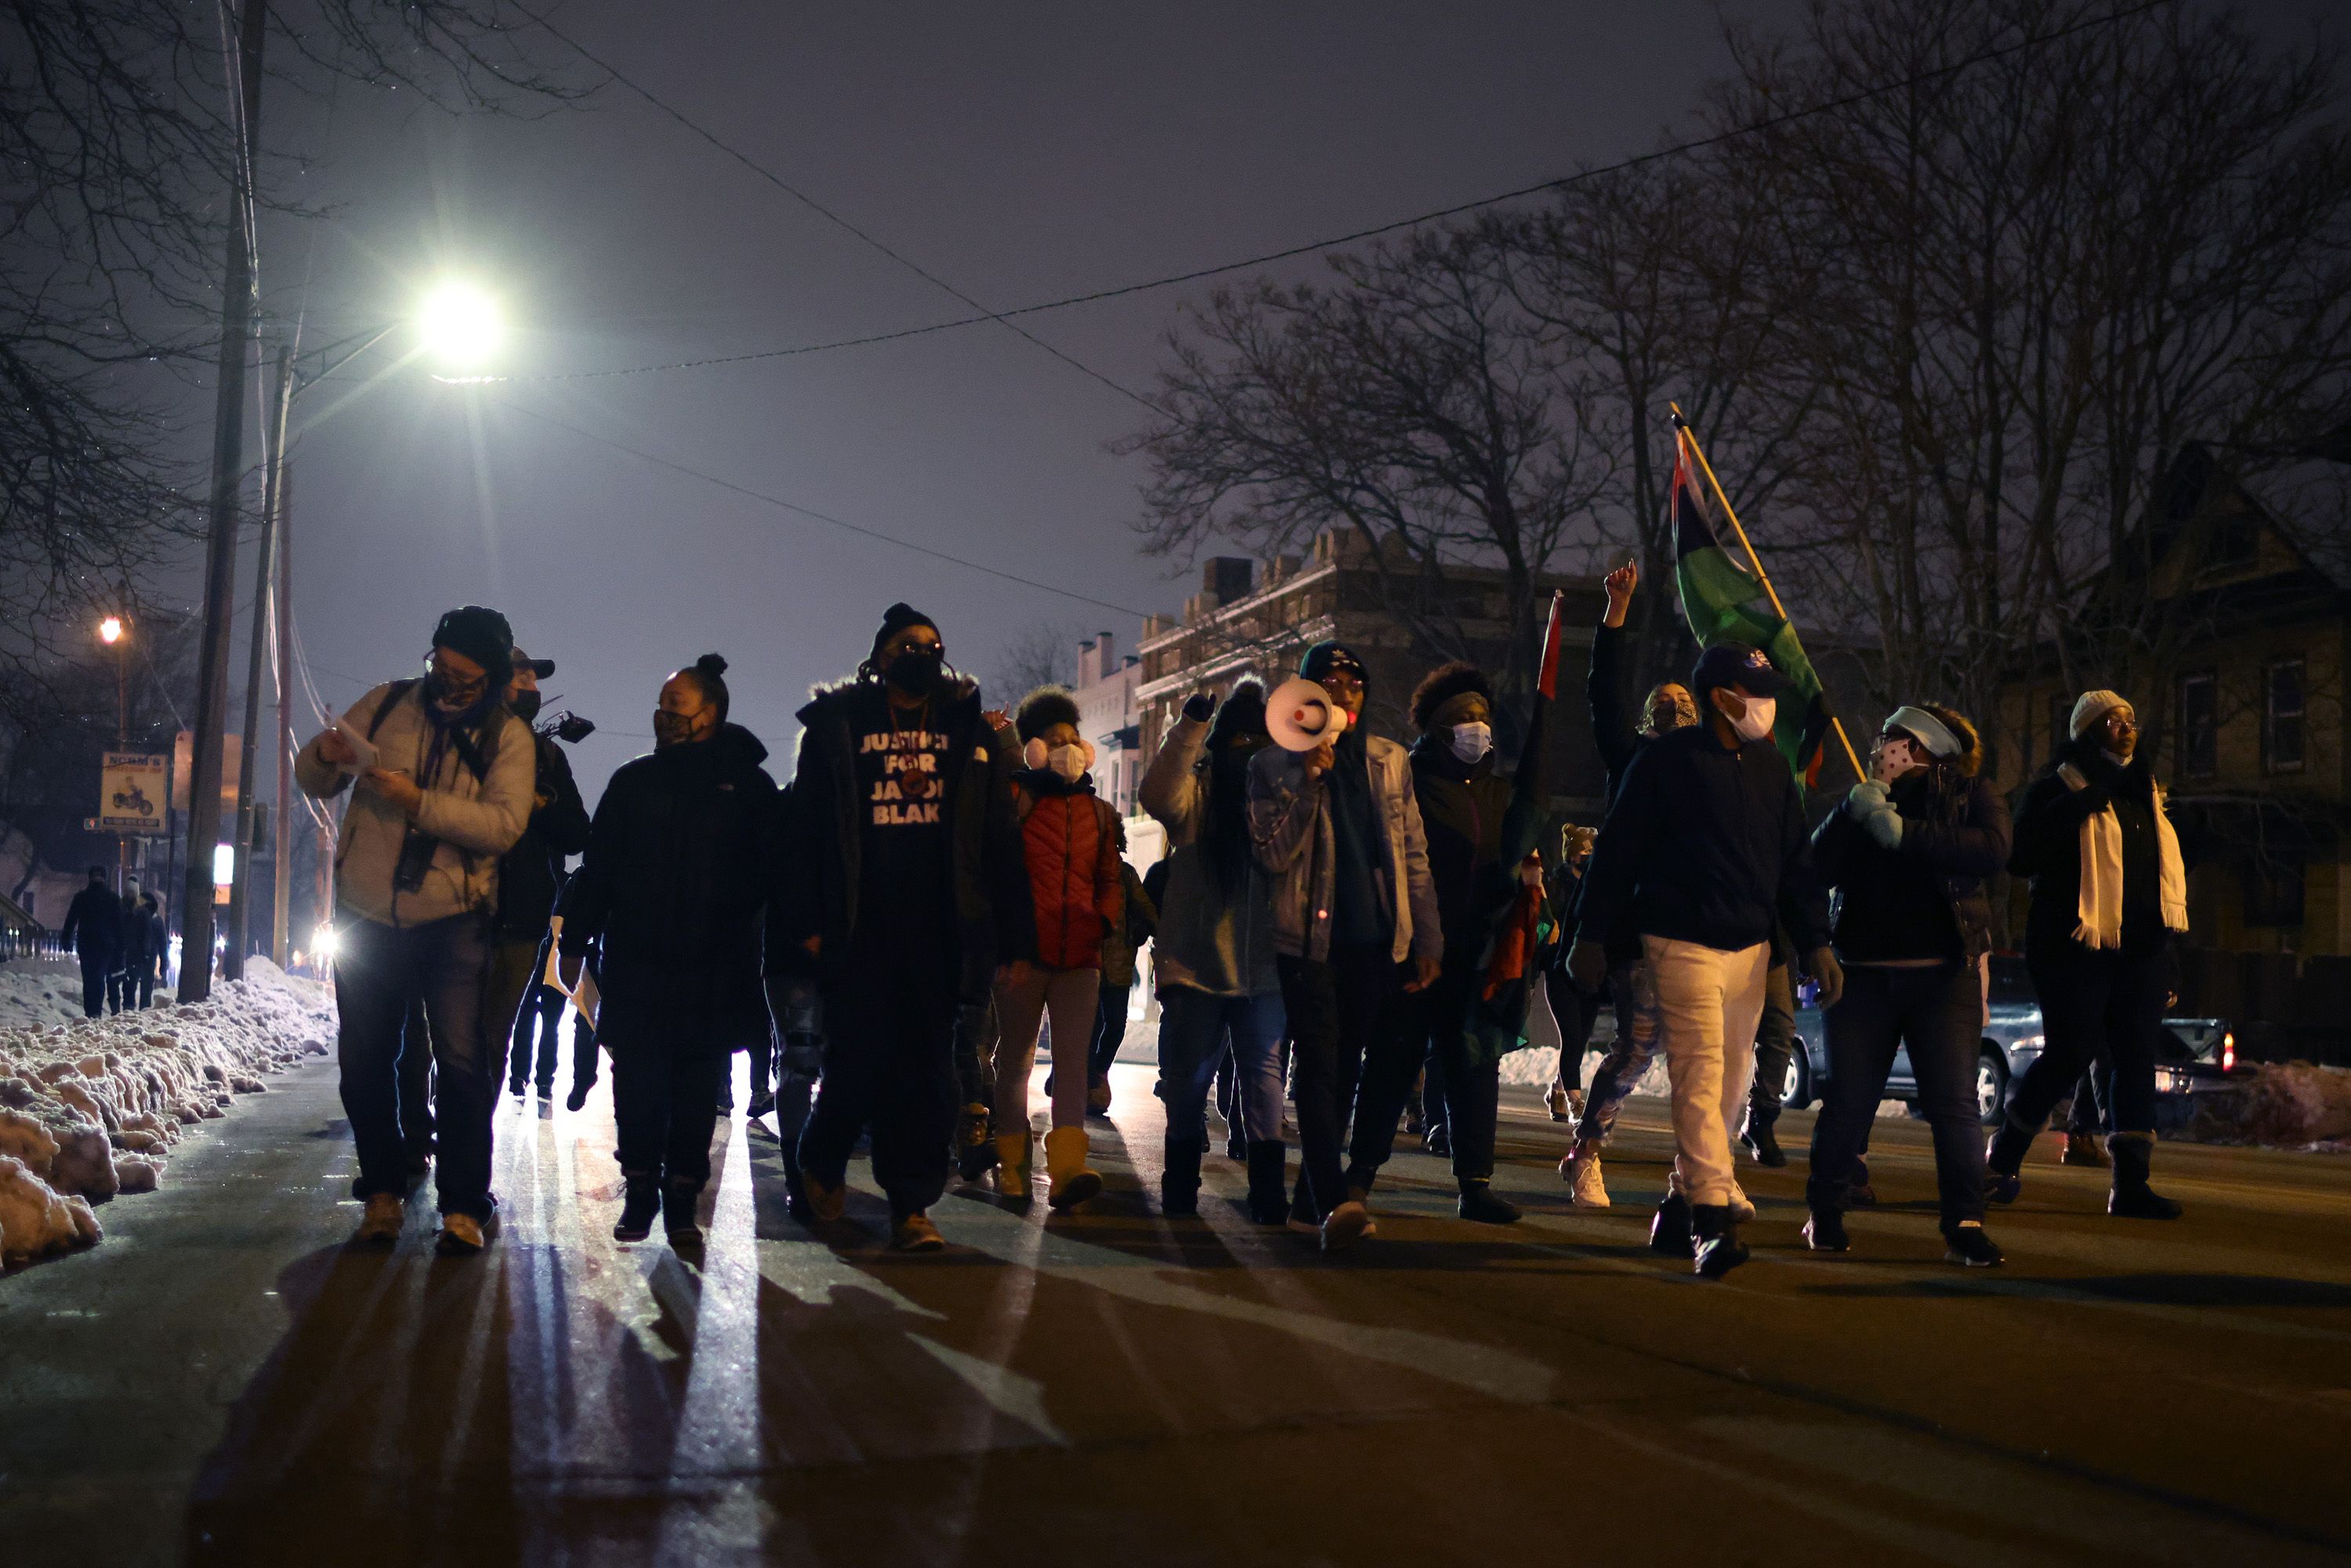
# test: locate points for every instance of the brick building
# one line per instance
(1104, 691)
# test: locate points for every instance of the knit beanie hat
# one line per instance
(1330, 654)
(896, 619)
(1445, 683)
(2092, 707)
(481, 634)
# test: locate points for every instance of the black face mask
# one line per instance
(915, 671)
(524, 705)
(676, 729)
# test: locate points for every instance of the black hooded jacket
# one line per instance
(530, 874)
(979, 881)
(93, 927)
(1461, 807)
(1927, 899)
(675, 889)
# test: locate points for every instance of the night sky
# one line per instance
(1021, 152)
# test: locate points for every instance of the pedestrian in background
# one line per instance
(1055, 920)
(1121, 944)
(1213, 958)
(93, 934)
(122, 986)
(416, 882)
(2109, 894)
(900, 840)
(673, 892)
(1908, 854)
(530, 874)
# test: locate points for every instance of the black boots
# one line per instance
(1479, 1204)
(2132, 1198)
(2004, 1157)
(975, 1151)
(1670, 1232)
(1180, 1183)
(1719, 1250)
(638, 1207)
(1759, 1140)
(677, 1204)
(1826, 1232)
(1268, 1202)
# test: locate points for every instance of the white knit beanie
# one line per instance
(2092, 707)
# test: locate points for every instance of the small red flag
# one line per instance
(1547, 683)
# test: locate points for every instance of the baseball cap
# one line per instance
(1735, 665)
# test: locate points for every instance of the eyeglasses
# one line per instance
(456, 686)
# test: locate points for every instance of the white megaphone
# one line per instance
(1300, 716)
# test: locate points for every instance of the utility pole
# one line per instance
(248, 803)
(220, 549)
(282, 598)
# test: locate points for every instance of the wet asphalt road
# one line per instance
(222, 1382)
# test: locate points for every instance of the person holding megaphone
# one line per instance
(1333, 818)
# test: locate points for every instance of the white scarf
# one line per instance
(2101, 904)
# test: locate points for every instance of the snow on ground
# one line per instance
(89, 1107)
(2286, 1106)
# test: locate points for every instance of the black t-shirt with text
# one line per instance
(901, 796)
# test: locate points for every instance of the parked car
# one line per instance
(2192, 1054)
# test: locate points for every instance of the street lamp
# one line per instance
(460, 325)
(113, 632)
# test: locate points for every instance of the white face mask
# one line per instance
(1472, 741)
(1066, 761)
(1755, 723)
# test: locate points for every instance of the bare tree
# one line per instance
(118, 134)
(1409, 399)
(1042, 653)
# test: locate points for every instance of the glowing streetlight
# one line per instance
(460, 325)
(109, 631)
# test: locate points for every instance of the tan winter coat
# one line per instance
(476, 820)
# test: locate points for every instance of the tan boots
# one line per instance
(1012, 1163)
(1065, 1166)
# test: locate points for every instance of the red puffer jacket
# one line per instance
(1069, 839)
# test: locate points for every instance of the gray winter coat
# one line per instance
(1289, 819)
(1208, 940)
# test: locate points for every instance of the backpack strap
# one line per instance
(392, 695)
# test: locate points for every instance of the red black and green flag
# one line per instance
(1725, 601)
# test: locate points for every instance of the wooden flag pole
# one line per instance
(1683, 427)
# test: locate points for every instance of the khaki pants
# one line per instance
(1708, 1003)
(1070, 996)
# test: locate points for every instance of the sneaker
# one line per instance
(763, 1104)
(2001, 1187)
(1438, 1142)
(726, 1095)
(639, 1205)
(381, 1223)
(1719, 1249)
(1825, 1233)
(1480, 1204)
(915, 1233)
(1347, 1224)
(1669, 1232)
(826, 1203)
(1741, 1208)
(679, 1221)
(1098, 1098)
(577, 1099)
(1861, 1195)
(1555, 1100)
(461, 1236)
(1586, 1186)
(1972, 1248)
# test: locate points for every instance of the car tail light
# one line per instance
(2228, 1051)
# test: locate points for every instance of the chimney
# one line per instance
(1225, 578)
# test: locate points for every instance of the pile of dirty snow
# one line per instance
(89, 1107)
(2284, 1105)
(38, 992)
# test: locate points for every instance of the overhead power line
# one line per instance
(834, 218)
(1335, 241)
(814, 516)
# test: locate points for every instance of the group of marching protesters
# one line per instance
(1346, 933)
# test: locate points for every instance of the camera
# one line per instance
(415, 860)
(570, 727)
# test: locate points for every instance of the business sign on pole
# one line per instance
(133, 788)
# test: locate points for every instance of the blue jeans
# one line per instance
(1192, 1026)
(379, 970)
